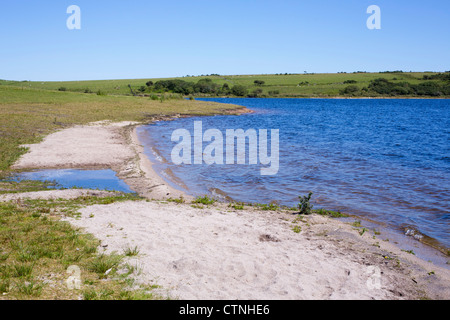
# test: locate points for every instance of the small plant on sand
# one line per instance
(177, 200)
(357, 224)
(237, 205)
(204, 200)
(297, 229)
(304, 205)
(104, 264)
(131, 252)
(329, 213)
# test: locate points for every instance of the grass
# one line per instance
(131, 252)
(287, 85)
(330, 213)
(237, 205)
(205, 200)
(179, 200)
(36, 250)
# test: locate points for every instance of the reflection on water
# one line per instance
(384, 159)
(71, 178)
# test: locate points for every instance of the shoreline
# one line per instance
(430, 248)
(265, 239)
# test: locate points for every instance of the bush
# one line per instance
(350, 90)
(259, 82)
(429, 88)
(350, 81)
(274, 92)
(62, 89)
(239, 90)
(304, 206)
(255, 93)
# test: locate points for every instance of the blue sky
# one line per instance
(150, 39)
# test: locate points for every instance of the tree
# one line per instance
(350, 90)
(239, 90)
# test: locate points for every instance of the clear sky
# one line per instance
(150, 39)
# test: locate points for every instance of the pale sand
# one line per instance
(57, 194)
(219, 253)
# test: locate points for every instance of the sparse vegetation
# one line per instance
(205, 200)
(37, 248)
(131, 252)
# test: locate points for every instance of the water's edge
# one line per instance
(424, 250)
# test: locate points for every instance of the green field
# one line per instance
(280, 85)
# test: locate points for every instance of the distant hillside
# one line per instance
(358, 84)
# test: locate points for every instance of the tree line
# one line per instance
(385, 87)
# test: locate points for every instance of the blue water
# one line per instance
(387, 160)
(86, 179)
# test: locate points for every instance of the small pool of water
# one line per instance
(75, 178)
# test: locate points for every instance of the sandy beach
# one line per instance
(217, 252)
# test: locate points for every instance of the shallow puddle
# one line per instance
(74, 178)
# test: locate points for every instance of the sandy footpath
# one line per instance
(221, 253)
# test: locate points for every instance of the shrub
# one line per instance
(304, 205)
(239, 90)
(62, 89)
(274, 92)
(350, 90)
(255, 93)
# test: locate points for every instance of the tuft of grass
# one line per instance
(267, 207)
(357, 224)
(131, 252)
(330, 213)
(205, 200)
(177, 200)
(23, 270)
(237, 205)
(30, 288)
(103, 265)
